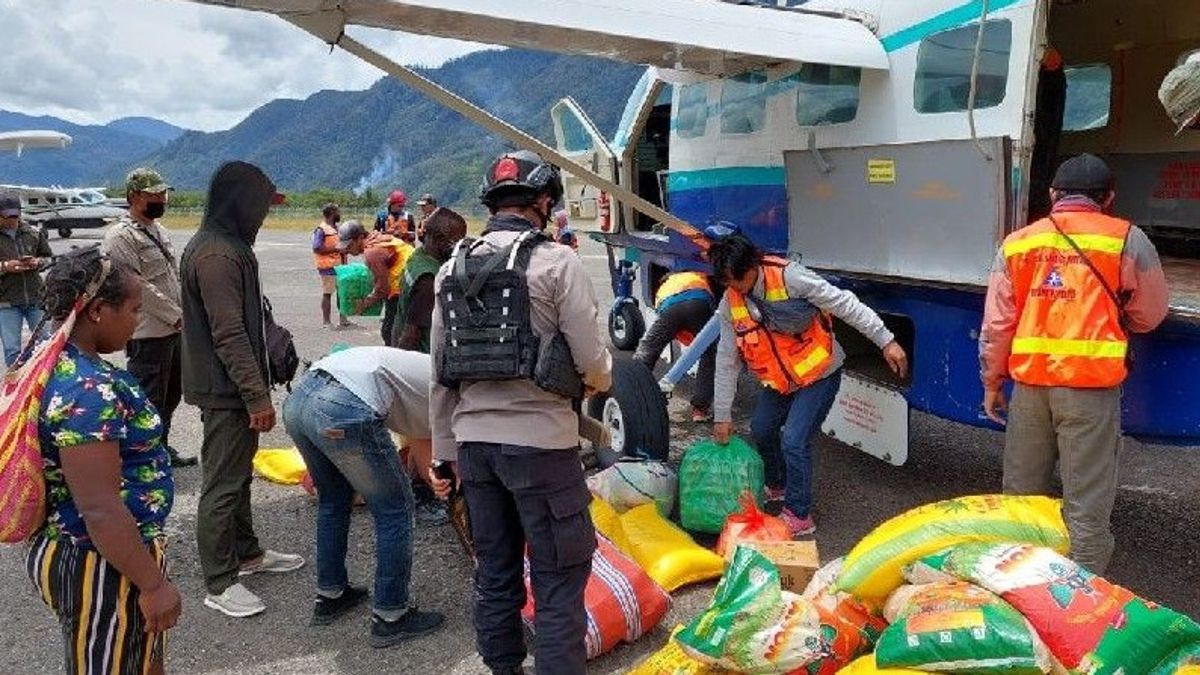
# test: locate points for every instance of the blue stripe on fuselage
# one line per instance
(758, 210)
(952, 18)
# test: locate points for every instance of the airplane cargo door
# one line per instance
(579, 140)
(929, 211)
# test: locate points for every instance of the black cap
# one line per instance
(10, 205)
(1083, 173)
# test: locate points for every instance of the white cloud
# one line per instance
(197, 66)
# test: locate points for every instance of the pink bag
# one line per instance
(22, 481)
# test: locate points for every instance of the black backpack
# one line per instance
(282, 359)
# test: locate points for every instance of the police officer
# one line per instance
(514, 442)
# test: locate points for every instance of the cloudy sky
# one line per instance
(196, 66)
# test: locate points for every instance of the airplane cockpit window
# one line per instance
(575, 135)
(1089, 95)
(744, 104)
(692, 117)
(944, 61)
(826, 94)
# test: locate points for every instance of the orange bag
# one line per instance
(750, 524)
(22, 482)
(623, 603)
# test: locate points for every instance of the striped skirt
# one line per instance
(97, 607)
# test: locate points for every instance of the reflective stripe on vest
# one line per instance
(784, 362)
(1069, 330)
(680, 282)
(326, 261)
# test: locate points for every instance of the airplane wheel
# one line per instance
(626, 326)
(64, 232)
(635, 412)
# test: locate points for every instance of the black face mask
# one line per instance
(154, 210)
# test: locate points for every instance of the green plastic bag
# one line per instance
(354, 282)
(956, 626)
(711, 480)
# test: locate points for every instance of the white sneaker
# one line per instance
(273, 562)
(237, 601)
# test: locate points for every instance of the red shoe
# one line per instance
(701, 415)
(799, 526)
(771, 494)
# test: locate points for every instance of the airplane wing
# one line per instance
(707, 37)
(21, 140)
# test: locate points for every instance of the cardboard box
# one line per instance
(797, 561)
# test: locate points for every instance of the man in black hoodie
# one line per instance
(225, 375)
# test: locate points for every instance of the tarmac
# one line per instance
(1157, 525)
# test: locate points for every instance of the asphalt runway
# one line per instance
(1157, 524)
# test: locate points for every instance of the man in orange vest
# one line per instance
(1065, 292)
(328, 256)
(684, 302)
(775, 318)
(396, 220)
(385, 256)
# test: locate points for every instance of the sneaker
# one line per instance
(237, 601)
(701, 415)
(179, 461)
(799, 526)
(771, 494)
(327, 610)
(272, 562)
(432, 513)
(414, 623)
(347, 324)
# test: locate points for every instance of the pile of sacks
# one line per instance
(972, 585)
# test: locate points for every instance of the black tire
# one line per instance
(635, 410)
(626, 326)
(64, 232)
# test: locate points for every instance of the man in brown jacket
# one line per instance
(225, 375)
(516, 445)
(140, 242)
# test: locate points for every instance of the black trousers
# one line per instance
(156, 364)
(690, 316)
(224, 526)
(391, 307)
(519, 495)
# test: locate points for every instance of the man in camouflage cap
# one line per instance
(1180, 93)
(141, 242)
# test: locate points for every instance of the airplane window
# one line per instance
(692, 117)
(1089, 93)
(943, 80)
(744, 104)
(826, 94)
(575, 135)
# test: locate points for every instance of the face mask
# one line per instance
(337, 219)
(155, 210)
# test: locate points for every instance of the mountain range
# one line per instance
(383, 137)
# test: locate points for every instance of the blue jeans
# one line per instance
(11, 320)
(784, 426)
(348, 449)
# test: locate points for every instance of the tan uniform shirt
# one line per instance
(133, 244)
(518, 412)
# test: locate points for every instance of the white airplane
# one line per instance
(892, 145)
(55, 207)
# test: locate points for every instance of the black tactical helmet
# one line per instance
(518, 178)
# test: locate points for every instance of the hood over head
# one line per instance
(239, 198)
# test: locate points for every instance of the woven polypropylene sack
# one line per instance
(354, 282)
(712, 479)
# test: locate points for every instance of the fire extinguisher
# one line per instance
(602, 205)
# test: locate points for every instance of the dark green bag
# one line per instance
(712, 478)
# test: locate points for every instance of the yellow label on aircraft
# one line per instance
(881, 171)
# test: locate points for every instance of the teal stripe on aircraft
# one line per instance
(737, 176)
(952, 18)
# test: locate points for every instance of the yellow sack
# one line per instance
(873, 569)
(671, 660)
(608, 523)
(280, 465)
(865, 665)
(666, 552)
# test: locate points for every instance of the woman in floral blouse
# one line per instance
(98, 562)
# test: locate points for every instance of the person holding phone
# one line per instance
(24, 250)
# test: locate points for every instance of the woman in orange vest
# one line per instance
(385, 256)
(775, 318)
(1064, 294)
(684, 302)
(327, 256)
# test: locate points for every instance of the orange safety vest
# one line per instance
(396, 271)
(784, 362)
(327, 261)
(1069, 331)
(680, 282)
